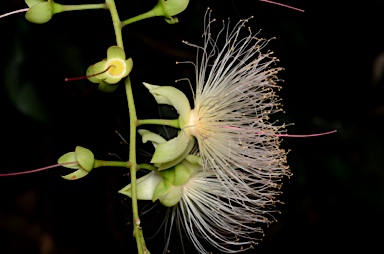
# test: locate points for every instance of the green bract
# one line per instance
(85, 162)
(41, 11)
(181, 145)
(170, 8)
(111, 70)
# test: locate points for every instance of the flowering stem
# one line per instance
(117, 25)
(147, 166)
(80, 7)
(100, 163)
(132, 158)
(123, 164)
(146, 15)
(172, 123)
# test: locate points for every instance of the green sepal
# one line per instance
(193, 163)
(172, 197)
(85, 158)
(168, 177)
(39, 13)
(172, 96)
(145, 186)
(172, 20)
(115, 52)
(147, 135)
(100, 67)
(173, 148)
(161, 189)
(156, 140)
(169, 164)
(107, 88)
(76, 175)
(170, 8)
(31, 3)
(69, 157)
(89, 73)
(182, 174)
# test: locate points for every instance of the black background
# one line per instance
(332, 80)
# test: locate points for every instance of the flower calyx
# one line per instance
(85, 162)
(167, 185)
(41, 11)
(111, 70)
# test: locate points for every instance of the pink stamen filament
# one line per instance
(85, 77)
(307, 135)
(287, 135)
(283, 5)
(39, 169)
(13, 12)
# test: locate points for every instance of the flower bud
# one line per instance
(41, 11)
(170, 8)
(85, 162)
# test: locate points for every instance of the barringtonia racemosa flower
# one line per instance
(201, 204)
(235, 96)
(111, 70)
(85, 162)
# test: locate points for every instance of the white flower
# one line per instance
(205, 208)
(235, 96)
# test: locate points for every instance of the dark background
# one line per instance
(333, 55)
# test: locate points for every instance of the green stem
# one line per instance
(149, 14)
(117, 25)
(132, 158)
(147, 166)
(123, 164)
(172, 123)
(100, 163)
(83, 7)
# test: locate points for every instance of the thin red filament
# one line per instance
(39, 169)
(85, 77)
(13, 12)
(283, 5)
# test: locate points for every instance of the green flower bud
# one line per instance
(85, 162)
(41, 11)
(169, 8)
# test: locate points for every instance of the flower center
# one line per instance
(193, 124)
(117, 67)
